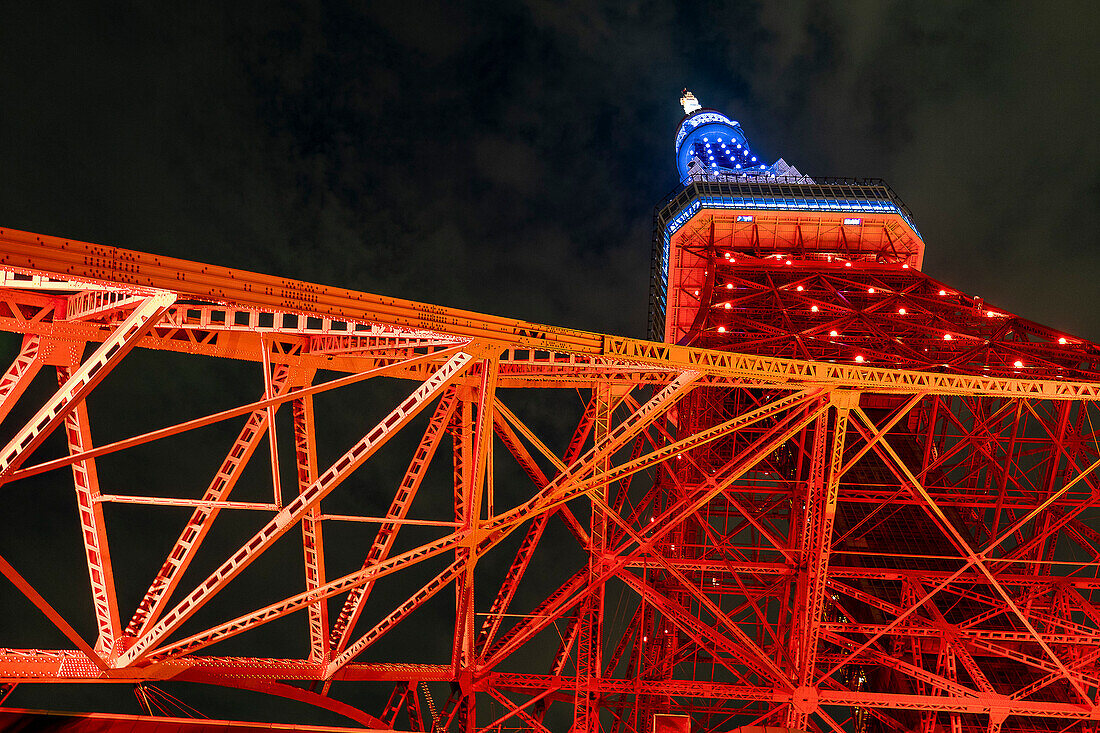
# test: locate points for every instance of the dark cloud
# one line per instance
(426, 150)
(507, 156)
(978, 115)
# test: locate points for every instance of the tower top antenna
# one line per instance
(689, 102)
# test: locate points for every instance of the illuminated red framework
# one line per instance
(880, 528)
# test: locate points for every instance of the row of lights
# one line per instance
(780, 257)
(859, 357)
(901, 311)
(790, 262)
(871, 290)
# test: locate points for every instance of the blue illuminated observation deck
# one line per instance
(719, 170)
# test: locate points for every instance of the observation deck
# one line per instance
(847, 219)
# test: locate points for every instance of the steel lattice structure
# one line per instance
(838, 495)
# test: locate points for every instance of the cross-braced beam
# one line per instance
(290, 514)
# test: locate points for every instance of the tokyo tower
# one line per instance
(829, 493)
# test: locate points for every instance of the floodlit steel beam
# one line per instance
(81, 381)
(754, 471)
(506, 426)
(302, 600)
(114, 267)
(375, 371)
(975, 559)
(568, 594)
(422, 596)
(822, 491)
(726, 651)
(519, 711)
(202, 519)
(399, 508)
(272, 441)
(763, 664)
(55, 618)
(570, 483)
(313, 548)
(20, 374)
(589, 656)
(290, 514)
(93, 527)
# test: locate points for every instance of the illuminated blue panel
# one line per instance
(716, 140)
(721, 156)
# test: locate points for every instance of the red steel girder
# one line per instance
(766, 503)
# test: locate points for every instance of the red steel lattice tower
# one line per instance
(831, 493)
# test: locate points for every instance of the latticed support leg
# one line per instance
(305, 453)
(451, 709)
(93, 528)
(413, 709)
(473, 454)
(586, 708)
(948, 669)
(463, 459)
(909, 597)
(823, 486)
(272, 433)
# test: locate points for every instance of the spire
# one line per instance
(689, 102)
(712, 147)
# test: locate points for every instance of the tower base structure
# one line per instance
(796, 542)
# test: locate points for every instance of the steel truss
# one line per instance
(758, 536)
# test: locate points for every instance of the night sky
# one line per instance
(506, 157)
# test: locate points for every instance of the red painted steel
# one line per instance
(843, 497)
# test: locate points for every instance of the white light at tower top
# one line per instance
(689, 102)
